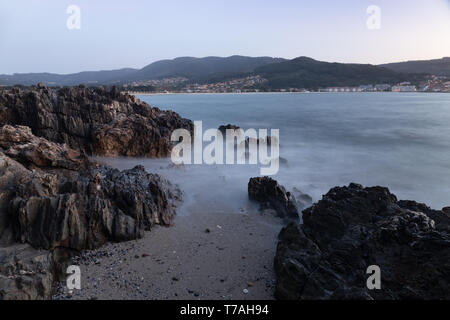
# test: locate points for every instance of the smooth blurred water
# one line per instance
(401, 141)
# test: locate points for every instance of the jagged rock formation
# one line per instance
(352, 228)
(271, 195)
(54, 198)
(95, 121)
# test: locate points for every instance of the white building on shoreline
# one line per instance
(404, 88)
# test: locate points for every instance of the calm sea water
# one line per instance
(401, 141)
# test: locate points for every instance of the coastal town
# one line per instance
(259, 84)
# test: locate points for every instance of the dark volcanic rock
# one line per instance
(52, 198)
(441, 218)
(94, 121)
(352, 228)
(271, 195)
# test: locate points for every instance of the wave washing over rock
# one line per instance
(54, 201)
(352, 228)
(95, 121)
(273, 196)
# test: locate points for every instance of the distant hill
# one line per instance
(437, 66)
(195, 69)
(202, 69)
(304, 72)
(87, 77)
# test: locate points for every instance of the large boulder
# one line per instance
(353, 228)
(271, 195)
(53, 197)
(57, 197)
(94, 121)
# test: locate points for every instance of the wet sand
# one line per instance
(203, 255)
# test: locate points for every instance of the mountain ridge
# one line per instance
(305, 72)
(440, 67)
(197, 69)
(298, 72)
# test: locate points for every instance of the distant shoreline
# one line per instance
(271, 92)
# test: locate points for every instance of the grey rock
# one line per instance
(55, 198)
(271, 195)
(25, 273)
(352, 228)
(94, 121)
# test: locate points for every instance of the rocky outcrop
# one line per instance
(94, 121)
(271, 195)
(353, 228)
(54, 198)
(441, 218)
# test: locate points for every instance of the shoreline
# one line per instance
(273, 92)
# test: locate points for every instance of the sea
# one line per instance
(396, 140)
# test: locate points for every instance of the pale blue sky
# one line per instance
(134, 33)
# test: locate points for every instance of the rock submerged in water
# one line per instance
(352, 228)
(303, 200)
(54, 197)
(223, 128)
(271, 195)
(94, 121)
(268, 141)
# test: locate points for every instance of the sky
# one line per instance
(113, 34)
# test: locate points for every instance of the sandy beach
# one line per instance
(202, 256)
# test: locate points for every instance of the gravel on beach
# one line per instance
(218, 256)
